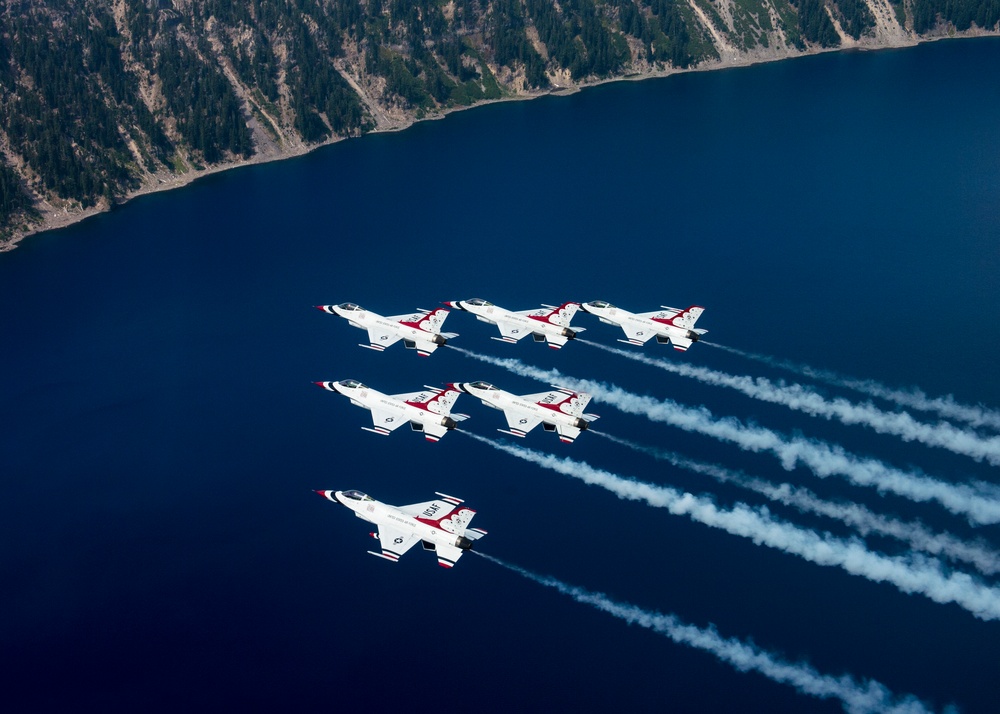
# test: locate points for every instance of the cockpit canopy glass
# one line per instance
(357, 495)
(480, 302)
(481, 385)
(599, 303)
(348, 306)
(352, 384)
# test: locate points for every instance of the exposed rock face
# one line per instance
(104, 99)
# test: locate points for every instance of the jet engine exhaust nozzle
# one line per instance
(439, 340)
(582, 424)
(693, 336)
(464, 543)
(449, 423)
(568, 333)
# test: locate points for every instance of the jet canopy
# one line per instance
(480, 302)
(357, 495)
(348, 306)
(482, 385)
(599, 303)
(352, 384)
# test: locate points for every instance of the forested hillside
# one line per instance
(100, 99)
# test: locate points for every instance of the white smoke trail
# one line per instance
(856, 697)
(915, 534)
(977, 501)
(941, 435)
(910, 575)
(913, 398)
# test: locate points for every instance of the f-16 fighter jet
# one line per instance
(560, 410)
(428, 411)
(420, 331)
(441, 526)
(667, 325)
(547, 324)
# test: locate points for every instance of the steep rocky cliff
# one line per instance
(104, 99)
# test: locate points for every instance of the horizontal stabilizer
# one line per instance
(474, 533)
(450, 499)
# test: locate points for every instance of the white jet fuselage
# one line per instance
(430, 409)
(560, 410)
(420, 330)
(550, 324)
(668, 325)
(441, 525)
(382, 514)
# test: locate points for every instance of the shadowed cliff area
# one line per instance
(101, 100)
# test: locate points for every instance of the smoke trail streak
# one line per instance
(915, 534)
(910, 575)
(856, 697)
(913, 398)
(977, 501)
(941, 435)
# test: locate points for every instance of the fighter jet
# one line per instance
(428, 411)
(420, 331)
(668, 325)
(547, 324)
(560, 410)
(441, 526)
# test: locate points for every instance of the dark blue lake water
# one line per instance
(160, 544)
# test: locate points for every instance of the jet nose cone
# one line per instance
(460, 386)
(456, 304)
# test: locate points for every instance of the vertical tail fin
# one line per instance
(432, 321)
(444, 401)
(563, 314)
(685, 319)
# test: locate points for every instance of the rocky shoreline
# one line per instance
(54, 217)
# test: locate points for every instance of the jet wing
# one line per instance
(380, 339)
(438, 508)
(412, 318)
(385, 421)
(417, 397)
(394, 542)
(638, 335)
(511, 331)
(564, 400)
(547, 398)
(520, 423)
